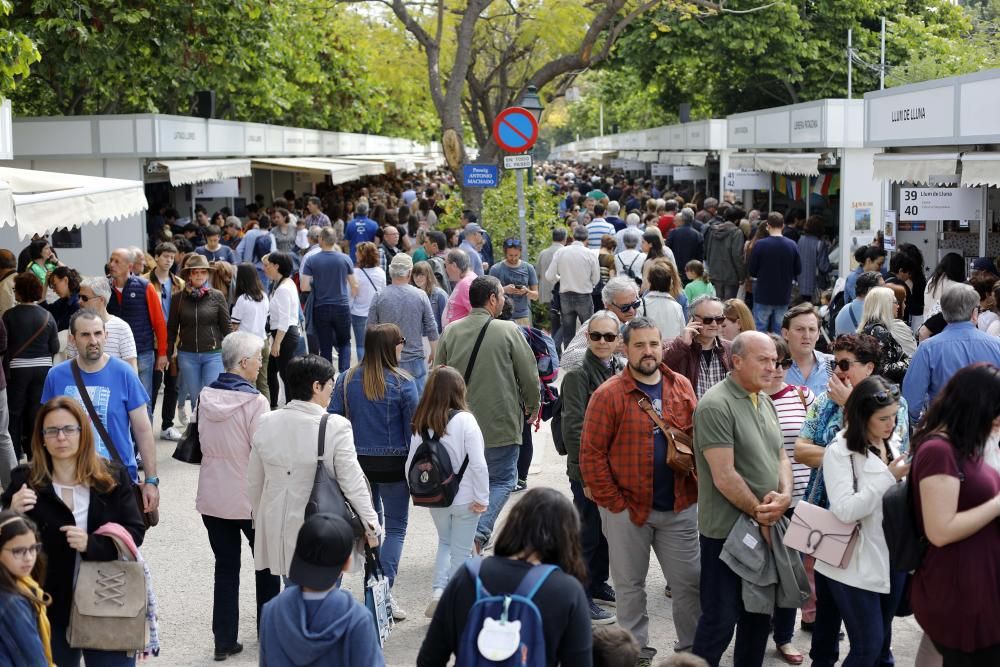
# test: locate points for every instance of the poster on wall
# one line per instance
(863, 232)
(862, 219)
(889, 232)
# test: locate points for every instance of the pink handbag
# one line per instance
(817, 532)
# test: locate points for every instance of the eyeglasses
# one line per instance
(784, 364)
(401, 341)
(845, 364)
(85, 298)
(709, 320)
(608, 337)
(887, 397)
(23, 552)
(628, 306)
(67, 430)
(512, 243)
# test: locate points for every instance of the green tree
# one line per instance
(17, 54)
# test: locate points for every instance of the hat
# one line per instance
(195, 261)
(324, 544)
(473, 228)
(985, 264)
(401, 260)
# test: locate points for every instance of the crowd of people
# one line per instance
(714, 379)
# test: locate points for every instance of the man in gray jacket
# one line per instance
(502, 386)
(724, 254)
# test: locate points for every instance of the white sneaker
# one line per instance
(171, 434)
(429, 612)
(181, 417)
(398, 614)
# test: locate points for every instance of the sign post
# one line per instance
(515, 130)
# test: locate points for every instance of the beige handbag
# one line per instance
(109, 605)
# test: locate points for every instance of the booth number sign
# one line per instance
(940, 204)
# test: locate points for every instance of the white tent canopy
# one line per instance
(930, 168)
(337, 171)
(39, 202)
(981, 169)
(187, 172)
(795, 164)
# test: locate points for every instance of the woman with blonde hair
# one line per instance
(878, 319)
(70, 492)
(738, 319)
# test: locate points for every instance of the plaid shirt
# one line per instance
(616, 445)
(710, 373)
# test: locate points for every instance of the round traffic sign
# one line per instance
(515, 129)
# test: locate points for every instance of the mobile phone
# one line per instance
(832, 365)
(518, 286)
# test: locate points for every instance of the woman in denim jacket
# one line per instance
(379, 398)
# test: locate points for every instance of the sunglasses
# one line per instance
(401, 341)
(628, 306)
(608, 337)
(85, 298)
(784, 364)
(845, 364)
(512, 243)
(709, 320)
(887, 397)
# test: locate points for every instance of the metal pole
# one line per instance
(850, 61)
(808, 194)
(881, 69)
(602, 119)
(521, 213)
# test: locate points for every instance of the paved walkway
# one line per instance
(182, 567)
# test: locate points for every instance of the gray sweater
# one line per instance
(409, 309)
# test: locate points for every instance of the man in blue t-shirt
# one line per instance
(775, 263)
(329, 275)
(519, 280)
(118, 398)
(359, 229)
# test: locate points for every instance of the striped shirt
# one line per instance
(118, 340)
(791, 406)
(597, 228)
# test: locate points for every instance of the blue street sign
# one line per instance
(480, 176)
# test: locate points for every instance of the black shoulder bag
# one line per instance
(475, 352)
(188, 449)
(326, 495)
(148, 518)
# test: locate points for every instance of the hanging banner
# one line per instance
(218, 189)
(889, 233)
(940, 203)
(661, 169)
(746, 179)
(690, 174)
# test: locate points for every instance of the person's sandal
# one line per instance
(789, 654)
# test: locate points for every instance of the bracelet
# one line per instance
(155, 481)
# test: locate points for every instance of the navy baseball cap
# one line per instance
(324, 544)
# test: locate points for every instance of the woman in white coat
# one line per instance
(859, 466)
(283, 465)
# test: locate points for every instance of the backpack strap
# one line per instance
(472, 567)
(322, 435)
(475, 351)
(534, 579)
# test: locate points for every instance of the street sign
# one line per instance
(515, 130)
(480, 176)
(516, 161)
(940, 204)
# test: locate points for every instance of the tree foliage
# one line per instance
(17, 53)
(275, 61)
(788, 52)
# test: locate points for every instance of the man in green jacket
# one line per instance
(501, 387)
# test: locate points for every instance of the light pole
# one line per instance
(532, 103)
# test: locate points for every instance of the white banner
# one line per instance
(940, 204)
(690, 174)
(746, 179)
(661, 169)
(218, 189)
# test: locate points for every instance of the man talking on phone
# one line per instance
(519, 280)
(699, 353)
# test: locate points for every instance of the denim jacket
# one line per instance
(381, 427)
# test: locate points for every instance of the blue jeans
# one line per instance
(502, 465)
(456, 528)
(199, 369)
(146, 361)
(333, 327)
(867, 618)
(768, 318)
(392, 502)
(722, 611)
(418, 369)
(359, 323)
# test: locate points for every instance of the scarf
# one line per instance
(197, 293)
(39, 600)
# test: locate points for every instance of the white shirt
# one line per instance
(461, 438)
(118, 340)
(251, 315)
(366, 289)
(576, 268)
(632, 258)
(77, 499)
(284, 306)
(665, 312)
(868, 568)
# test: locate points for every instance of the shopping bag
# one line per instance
(377, 595)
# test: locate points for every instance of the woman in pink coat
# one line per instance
(226, 415)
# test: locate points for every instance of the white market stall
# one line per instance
(941, 163)
(812, 152)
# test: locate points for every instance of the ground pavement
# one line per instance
(182, 566)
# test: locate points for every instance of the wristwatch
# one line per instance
(155, 481)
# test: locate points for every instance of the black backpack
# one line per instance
(628, 269)
(432, 481)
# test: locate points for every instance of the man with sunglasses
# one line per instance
(519, 280)
(643, 503)
(700, 353)
(118, 341)
(621, 296)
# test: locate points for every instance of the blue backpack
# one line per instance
(512, 621)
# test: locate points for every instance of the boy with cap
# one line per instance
(313, 622)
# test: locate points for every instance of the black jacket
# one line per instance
(51, 514)
(578, 386)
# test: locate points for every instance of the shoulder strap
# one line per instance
(472, 567)
(534, 579)
(34, 336)
(322, 435)
(372, 282)
(802, 397)
(94, 417)
(475, 351)
(854, 473)
(854, 318)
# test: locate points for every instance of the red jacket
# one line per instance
(616, 446)
(686, 359)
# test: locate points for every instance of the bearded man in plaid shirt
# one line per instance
(643, 503)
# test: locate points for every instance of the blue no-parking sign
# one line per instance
(515, 130)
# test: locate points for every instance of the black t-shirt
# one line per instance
(663, 476)
(935, 324)
(561, 602)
